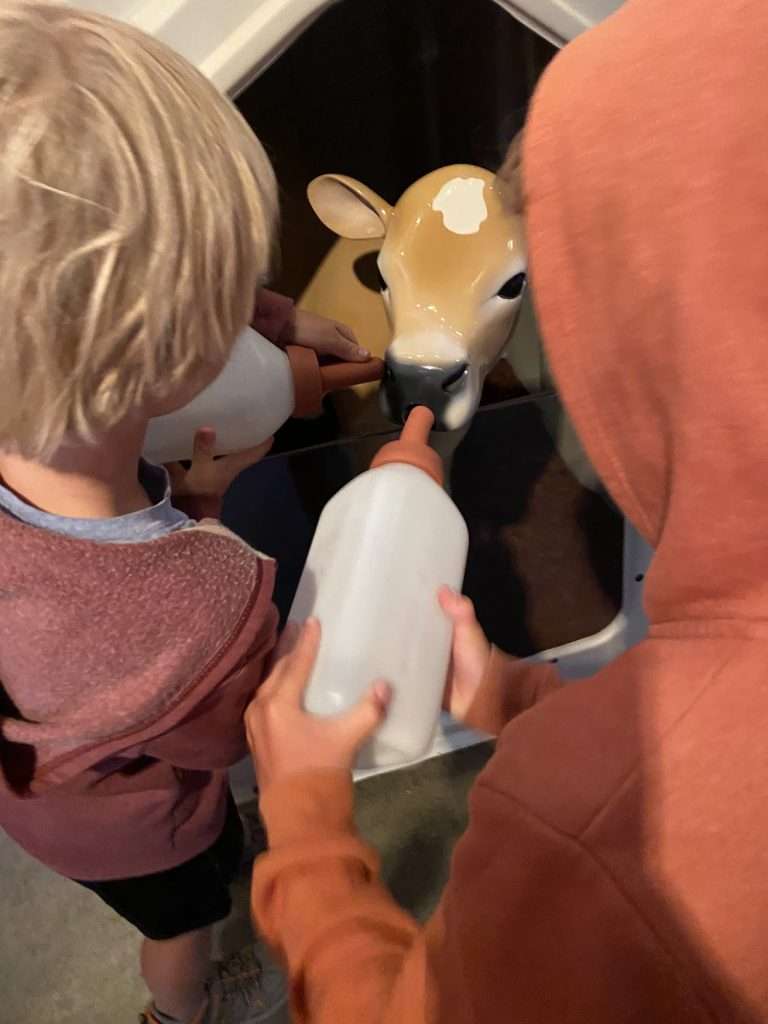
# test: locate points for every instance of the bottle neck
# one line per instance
(413, 448)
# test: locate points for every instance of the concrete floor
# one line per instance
(66, 958)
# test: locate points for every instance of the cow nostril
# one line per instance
(455, 377)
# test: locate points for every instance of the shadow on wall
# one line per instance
(545, 562)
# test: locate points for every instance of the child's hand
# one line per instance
(285, 739)
(326, 337)
(209, 476)
(470, 654)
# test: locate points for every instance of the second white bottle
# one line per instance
(383, 547)
(258, 389)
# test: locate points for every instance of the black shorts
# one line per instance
(183, 899)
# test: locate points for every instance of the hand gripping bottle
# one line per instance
(383, 547)
(259, 388)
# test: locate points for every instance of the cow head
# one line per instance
(453, 270)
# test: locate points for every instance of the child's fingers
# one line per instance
(344, 345)
(204, 445)
(176, 474)
(449, 599)
(238, 461)
(365, 717)
(345, 331)
(279, 662)
(448, 691)
(381, 692)
(297, 666)
(458, 608)
(288, 640)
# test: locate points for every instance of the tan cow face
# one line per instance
(453, 270)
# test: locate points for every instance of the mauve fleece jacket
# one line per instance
(125, 670)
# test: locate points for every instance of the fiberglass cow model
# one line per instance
(452, 265)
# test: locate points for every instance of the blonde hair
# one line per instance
(137, 212)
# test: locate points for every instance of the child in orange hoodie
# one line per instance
(137, 216)
(614, 867)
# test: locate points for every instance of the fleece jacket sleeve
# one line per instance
(273, 317)
(530, 928)
(212, 737)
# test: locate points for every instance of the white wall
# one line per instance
(560, 20)
(233, 41)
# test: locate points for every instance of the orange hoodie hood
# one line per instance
(647, 204)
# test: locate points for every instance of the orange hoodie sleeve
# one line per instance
(317, 898)
(529, 929)
(352, 953)
(509, 687)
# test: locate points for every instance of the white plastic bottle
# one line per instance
(383, 547)
(259, 388)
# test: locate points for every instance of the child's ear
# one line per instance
(349, 208)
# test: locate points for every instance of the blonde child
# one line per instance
(137, 217)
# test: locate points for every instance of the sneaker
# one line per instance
(246, 989)
(149, 1016)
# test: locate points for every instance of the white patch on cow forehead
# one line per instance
(462, 205)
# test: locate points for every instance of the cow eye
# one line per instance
(383, 286)
(513, 288)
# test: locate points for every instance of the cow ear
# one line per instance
(349, 208)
